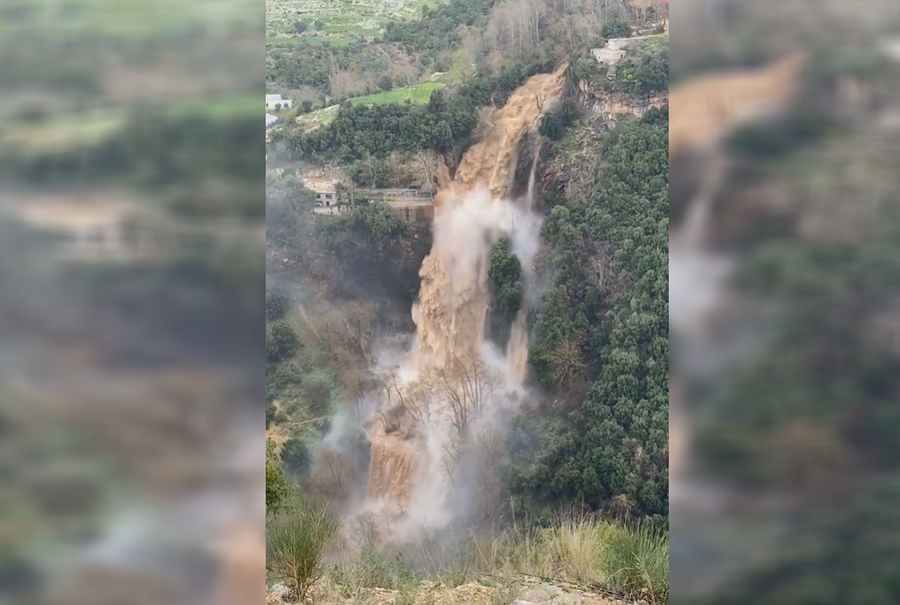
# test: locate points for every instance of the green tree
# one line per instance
(276, 304)
(281, 341)
(507, 290)
(270, 412)
(461, 66)
(615, 28)
(295, 455)
(278, 488)
(296, 543)
(385, 83)
(644, 70)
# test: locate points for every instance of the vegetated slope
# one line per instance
(445, 124)
(600, 336)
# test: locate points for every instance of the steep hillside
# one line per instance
(510, 395)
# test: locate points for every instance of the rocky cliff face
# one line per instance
(612, 104)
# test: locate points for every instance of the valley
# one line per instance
(454, 400)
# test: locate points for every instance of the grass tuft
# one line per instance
(296, 541)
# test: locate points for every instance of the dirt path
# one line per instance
(523, 591)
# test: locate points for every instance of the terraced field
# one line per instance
(334, 22)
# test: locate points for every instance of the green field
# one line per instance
(417, 93)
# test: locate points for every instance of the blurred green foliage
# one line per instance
(93, 108)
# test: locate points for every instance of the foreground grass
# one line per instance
(296, 539)
(590, 553)
(590, 556)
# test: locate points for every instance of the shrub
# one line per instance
(296, 541)
(295, 455)
(375, 569)
(637, 563)
(277, 485)
(317, 393)
(615, 28)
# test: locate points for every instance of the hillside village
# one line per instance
(412, 198)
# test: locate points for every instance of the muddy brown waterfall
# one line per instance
(447, 386)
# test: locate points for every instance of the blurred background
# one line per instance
(132, 167)
(785, 301)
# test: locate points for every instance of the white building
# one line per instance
(614, 50)
(275, 102)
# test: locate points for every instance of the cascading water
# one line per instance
(517, 347)
(448, 387)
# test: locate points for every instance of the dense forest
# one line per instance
(811, 414)
(600, 338)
